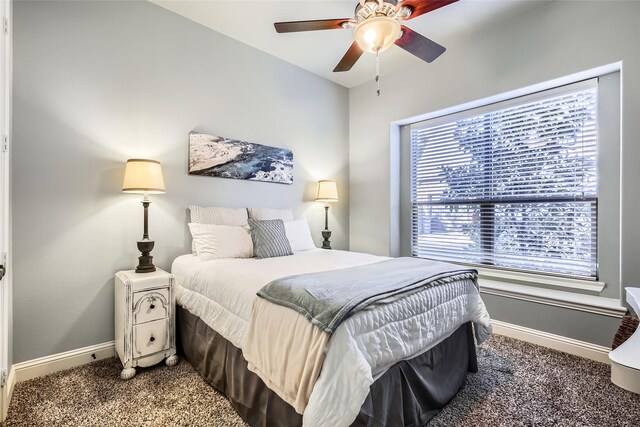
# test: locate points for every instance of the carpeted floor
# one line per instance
(518, 384)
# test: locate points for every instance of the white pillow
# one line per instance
(268, 213)
(218, 216)
(221, 241)
(299, 235)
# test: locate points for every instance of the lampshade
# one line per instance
(377, 34)
(143, 176)
(327, 192)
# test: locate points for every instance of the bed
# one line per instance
(394, 363)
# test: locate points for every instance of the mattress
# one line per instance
(221, 293)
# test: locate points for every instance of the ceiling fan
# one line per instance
(377, 28)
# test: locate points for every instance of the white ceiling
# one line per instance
(251, 22)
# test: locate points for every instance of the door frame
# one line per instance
(6, 385)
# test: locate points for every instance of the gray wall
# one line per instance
(553, 41)
(99, 82)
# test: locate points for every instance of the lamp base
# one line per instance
(145, 264)
(326, 244)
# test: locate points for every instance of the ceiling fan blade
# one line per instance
(349, 58)
(419, 45)
(320, 24)
(420, 7)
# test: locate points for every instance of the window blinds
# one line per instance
(510, 185)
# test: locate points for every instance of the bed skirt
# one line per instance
(410, 393)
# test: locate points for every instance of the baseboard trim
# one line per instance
(7, 392)
(59, 362)
(557, 342)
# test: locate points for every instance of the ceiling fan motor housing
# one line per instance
(368, 8)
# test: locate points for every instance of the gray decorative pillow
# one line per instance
(269, 238)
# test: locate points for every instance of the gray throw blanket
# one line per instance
(329, 297)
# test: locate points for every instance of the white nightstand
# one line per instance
(145, 320)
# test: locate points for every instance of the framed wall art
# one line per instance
(221, 157)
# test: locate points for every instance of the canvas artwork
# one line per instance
(222, 157)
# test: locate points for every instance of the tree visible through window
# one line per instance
(514, 187)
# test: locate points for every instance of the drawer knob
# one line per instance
(152, 339)
(152, 306)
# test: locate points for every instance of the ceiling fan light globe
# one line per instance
(377, 34)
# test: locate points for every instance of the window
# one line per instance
(511, 185)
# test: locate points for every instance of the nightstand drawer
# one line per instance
(150, 305)
(150, 337)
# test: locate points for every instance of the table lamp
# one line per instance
(327, 193)
(143, 176)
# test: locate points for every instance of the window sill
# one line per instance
(570, 300)
(541, 279)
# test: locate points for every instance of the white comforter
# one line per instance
(221, 292)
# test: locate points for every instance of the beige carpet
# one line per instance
(518, 384)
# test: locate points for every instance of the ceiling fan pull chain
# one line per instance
(378, 71)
